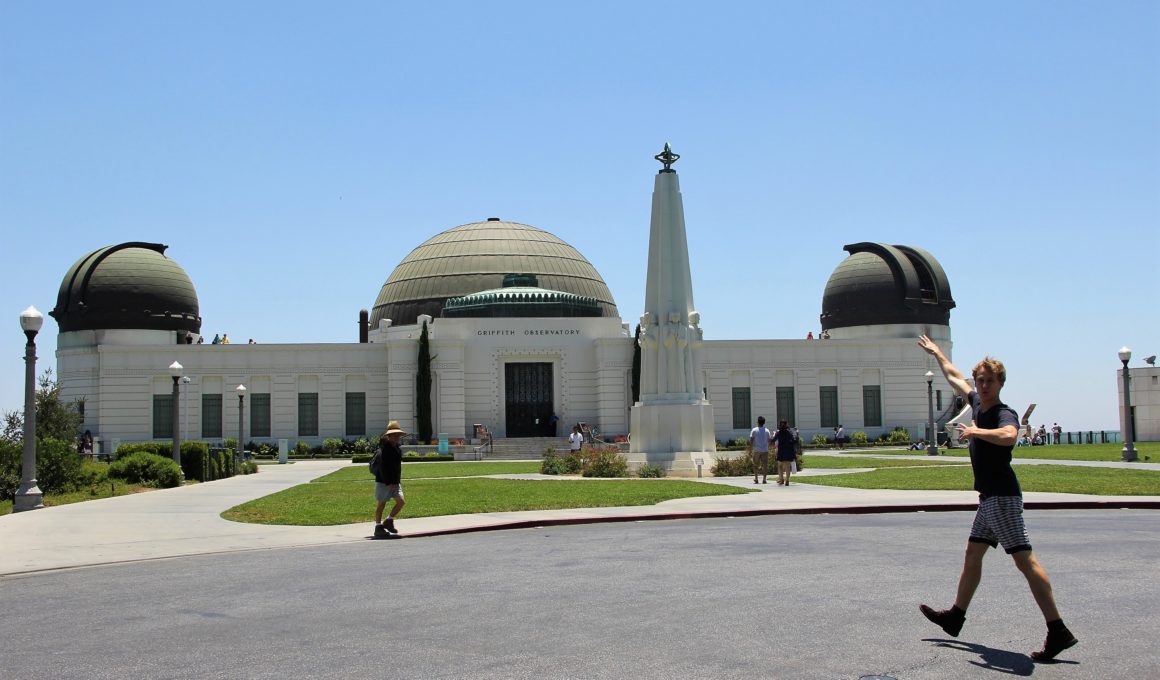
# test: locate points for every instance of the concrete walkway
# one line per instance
(185, 521)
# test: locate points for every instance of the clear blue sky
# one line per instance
(292, 153)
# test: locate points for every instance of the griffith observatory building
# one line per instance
(521, 327)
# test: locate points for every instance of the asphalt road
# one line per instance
(828, 596)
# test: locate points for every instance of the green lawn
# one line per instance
(846, 462)
(326, 501)
(360, 471)
(101, 491)
(1051, 478)
(1096, 452)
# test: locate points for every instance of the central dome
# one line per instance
(475, 257)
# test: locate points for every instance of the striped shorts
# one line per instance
(999, 519)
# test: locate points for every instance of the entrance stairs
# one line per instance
(524, 448)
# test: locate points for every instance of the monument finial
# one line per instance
(667, 157)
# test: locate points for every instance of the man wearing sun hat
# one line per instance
(389, 479)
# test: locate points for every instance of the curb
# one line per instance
(855, 510)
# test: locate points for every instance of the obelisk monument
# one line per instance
(672, 424)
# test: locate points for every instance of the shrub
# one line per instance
(157, 448)
(362, 445)
(332, 447)
(859, 438)
(607, 463)
(11, 459)
(58, 465)
(301, 449)
(651, 471)
(92, 475)
(59, 468)
(248, 467)
(552, 464)
(193, 460)
(361, 457)
(819, 440)
(146, 468)
(898, 435)
(230, 443)
(741, 466)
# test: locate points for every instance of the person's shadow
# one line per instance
(1001, 660)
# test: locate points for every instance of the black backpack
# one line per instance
(376, 462)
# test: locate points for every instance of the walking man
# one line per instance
(389, 479)
(992, 433)
(759, 450)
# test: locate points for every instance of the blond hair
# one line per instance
(992, 366)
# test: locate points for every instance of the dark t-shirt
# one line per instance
(391, 463)
(992, 463)
(785, 446)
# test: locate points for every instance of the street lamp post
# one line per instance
(932, 443)
(28, 495)
(241, 390)
(175, 370)
(1129, 452)
(185, 407)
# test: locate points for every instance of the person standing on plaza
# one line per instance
(759, 450)
(575, 440)
(786, 449)
(1056, 430)
(999, 519)
(388, 473)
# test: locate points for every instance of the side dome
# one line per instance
(883, 284)
(476, 257)
(131, 285)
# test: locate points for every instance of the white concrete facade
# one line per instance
(117, 373)
(1145, 394)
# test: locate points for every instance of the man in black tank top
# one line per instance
(992, 433)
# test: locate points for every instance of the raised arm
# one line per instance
(952, 374)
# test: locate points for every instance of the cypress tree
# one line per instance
(423, 386)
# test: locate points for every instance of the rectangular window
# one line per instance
(938, 400)
(211, 416)
(162, 416)
(872, 405)
(741, 408)
(828, 396)
(307, 414)
(785, 410)
(356, 414)
(260, 415)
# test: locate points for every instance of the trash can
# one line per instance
(443, 448)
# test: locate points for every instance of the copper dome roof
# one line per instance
(475, 257)
(884, 284)
(131, 285)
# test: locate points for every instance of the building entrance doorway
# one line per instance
(528, 399)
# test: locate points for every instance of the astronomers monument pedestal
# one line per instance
(672, 424)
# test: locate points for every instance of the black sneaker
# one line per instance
(950, 621)
(390, 525)
(1056, 642)
(380, 532)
